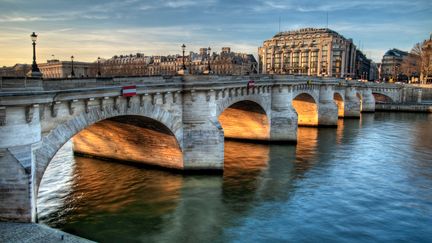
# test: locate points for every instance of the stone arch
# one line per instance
(245, 120)
(263, 101)
(340, 103)
(313, 93)
(306, 107)
(382, 98)
(62, 133)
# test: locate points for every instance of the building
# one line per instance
(18, 70)
(362, 66)
(309, 51)
(63, 69)
(223, 63)
(374, 71)
(391, 65)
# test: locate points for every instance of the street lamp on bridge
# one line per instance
(183, 49)
(208, 57)
(72, 70)
(98, 67)
(35, 72)
(183, 70)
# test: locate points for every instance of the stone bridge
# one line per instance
(173, 122)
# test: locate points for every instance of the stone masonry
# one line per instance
(36, 120)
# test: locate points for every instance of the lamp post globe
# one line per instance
(35, 72)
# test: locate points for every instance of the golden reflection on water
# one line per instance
(119, 186)
(339, 131)
(307, 141)
(240, 157)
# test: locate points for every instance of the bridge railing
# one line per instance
(20, 83)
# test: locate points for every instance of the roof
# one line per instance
(396, 52)
(306, 31)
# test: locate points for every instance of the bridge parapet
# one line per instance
(35, 122)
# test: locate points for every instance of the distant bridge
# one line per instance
(180, 121)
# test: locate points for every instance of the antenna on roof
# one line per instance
(327, 19)
(279, 23)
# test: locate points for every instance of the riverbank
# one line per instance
(424, 108)
(31, 232)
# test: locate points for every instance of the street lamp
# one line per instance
(35, 72)
(72, 72)
(183, 49)
(98, 67)
(209, 49)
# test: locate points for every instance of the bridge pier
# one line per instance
(20, 134)
(203, 143)
(352, 103)
(327, 108)
(283, 126)
(368, 101)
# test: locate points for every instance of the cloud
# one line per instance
(187, 3)
(334, 5)
(112, 27)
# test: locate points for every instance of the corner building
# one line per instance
(308, 51)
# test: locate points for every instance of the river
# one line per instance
(370, 179)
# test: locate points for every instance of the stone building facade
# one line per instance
(63, 69)
(391, 64)
(18, 70)
(223, 63)
(308, 51)
(362, 66)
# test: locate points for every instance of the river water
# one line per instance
(367, 180)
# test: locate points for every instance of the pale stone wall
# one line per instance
(352, 103)
(284, 118)
(34, 125)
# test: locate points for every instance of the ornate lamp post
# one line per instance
(98, 67)
(183, 49)
(35, 72)
(72, 71)
(208, 58)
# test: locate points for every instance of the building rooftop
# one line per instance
(306, 31)
(396, 52)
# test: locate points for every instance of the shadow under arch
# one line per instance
(307, 109)
(61, 134)
(382, 98)
(245, 120)
(340, 103)
(134, 139)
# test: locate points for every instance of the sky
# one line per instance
(87, 29)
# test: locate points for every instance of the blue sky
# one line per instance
(91, 28)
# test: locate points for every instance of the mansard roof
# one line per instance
(306, 31)
(396, 52)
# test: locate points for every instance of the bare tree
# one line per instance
(418, 61)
